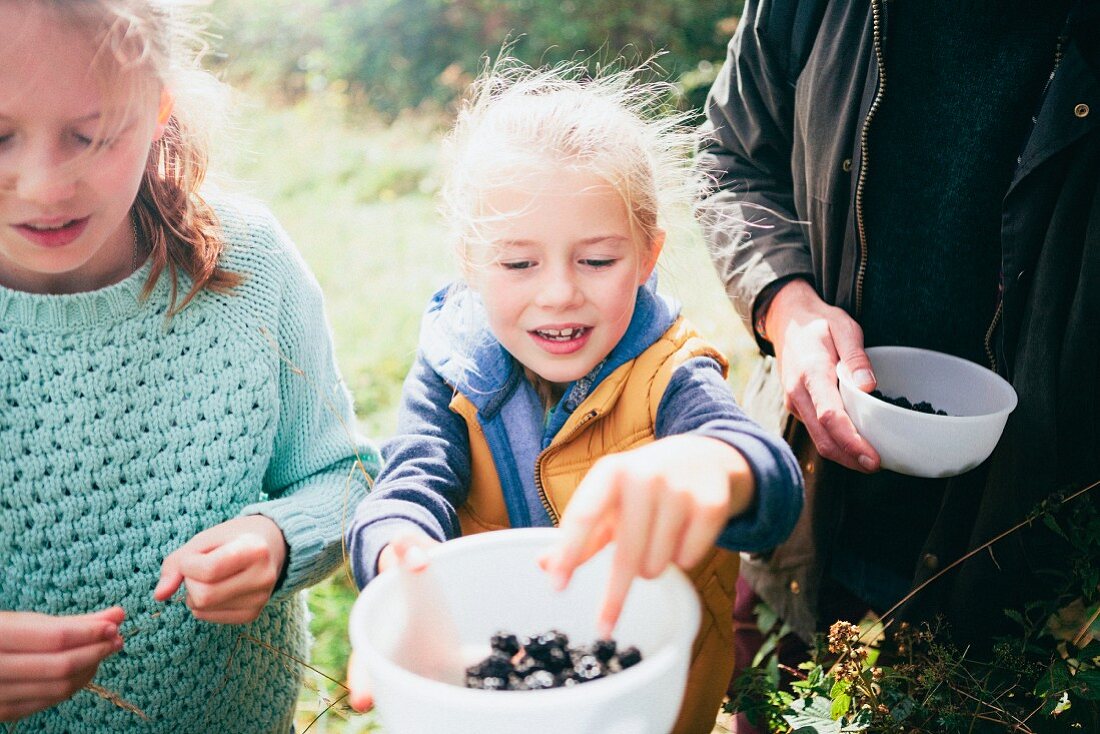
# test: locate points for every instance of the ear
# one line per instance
(649, 259)
(164, 113)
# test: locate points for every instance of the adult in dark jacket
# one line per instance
(889, 172)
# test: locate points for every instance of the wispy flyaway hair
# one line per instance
(518, 120)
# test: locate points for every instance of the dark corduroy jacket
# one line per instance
(786, 142)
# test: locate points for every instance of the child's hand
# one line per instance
(46, 659)
(230, 570)
(406, 551)
(665, 502)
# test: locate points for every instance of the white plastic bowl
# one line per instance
(490, 582)
(976, 399)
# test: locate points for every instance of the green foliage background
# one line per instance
(395, 55)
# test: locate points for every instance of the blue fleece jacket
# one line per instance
(427, 462)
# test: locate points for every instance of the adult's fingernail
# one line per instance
(863, 377)
(866, 463)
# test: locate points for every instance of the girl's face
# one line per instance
(560, 271)
(64, 196)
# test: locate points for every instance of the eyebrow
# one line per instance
(92, 117)
(586, 241)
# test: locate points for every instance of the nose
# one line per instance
(559, 289)
(43, 175)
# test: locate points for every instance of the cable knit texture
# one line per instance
(122, 435)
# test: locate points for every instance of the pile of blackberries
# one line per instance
(546, 661)
(903, 402)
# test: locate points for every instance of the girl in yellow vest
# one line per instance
(555, 386)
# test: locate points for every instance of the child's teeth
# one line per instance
(46, 228)
(561, 334)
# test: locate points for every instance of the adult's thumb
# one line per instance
(848, 341)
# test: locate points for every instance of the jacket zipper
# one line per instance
(554, 516)
(990, 354)
(861, 181)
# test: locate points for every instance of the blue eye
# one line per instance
(517, 265)
(599, 262)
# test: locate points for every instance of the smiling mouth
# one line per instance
(51, 227)
(563, 335)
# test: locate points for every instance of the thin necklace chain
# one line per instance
(137, 247)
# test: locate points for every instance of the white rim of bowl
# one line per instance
(1002, 384)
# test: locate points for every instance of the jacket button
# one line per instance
(1081, 110)
(847, 164)
(931, 561)
(795, 587)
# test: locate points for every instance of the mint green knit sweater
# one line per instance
(122, 435)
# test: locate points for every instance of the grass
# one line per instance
(357, 200)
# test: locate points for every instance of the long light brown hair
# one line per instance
(149, 46)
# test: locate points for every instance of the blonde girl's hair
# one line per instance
(144, 47)
(613, 123)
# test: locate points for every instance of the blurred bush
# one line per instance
(390, 56)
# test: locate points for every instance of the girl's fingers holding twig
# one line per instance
(170, 577)
(111, 614)
(246, 589)
(224, 561)
(55, 666)
(30, 632)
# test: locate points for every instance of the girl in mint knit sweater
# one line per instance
(174, 456)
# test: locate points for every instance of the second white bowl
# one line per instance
(977, 400)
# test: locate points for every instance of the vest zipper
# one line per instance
(555, 518)
(861, 181)
(990, 354)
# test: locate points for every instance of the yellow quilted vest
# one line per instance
(620, 414)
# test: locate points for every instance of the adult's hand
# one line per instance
(230, 569)
(45, 659)
(810, 337)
